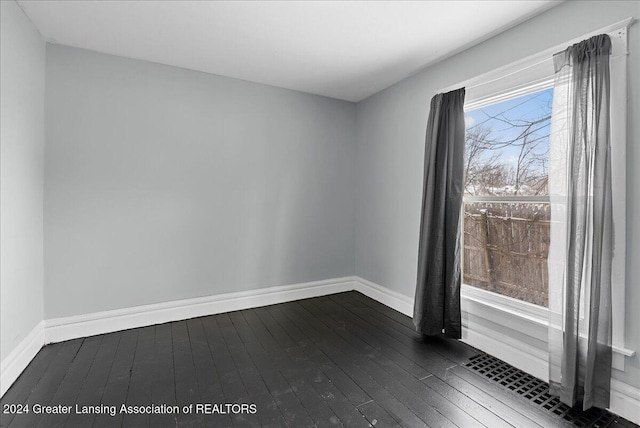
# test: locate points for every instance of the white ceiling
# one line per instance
(341, 49)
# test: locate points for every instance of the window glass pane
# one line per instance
(507, 146)
(506, 247)
(506, 244)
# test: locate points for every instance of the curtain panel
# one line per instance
(437, 299)
(581, 226)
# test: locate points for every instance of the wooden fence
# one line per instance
(506, 248)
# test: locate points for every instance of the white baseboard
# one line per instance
(73, 327)
(66, 328)
(521, 355)
(18, 359)
(625, 399)
(390, 298)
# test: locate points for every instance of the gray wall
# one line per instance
(163, 184)
(22, 63)
(391, 128)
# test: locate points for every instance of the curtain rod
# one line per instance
(548, 55)
(477, 85)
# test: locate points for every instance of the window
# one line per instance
(506, 200)
(489, 302)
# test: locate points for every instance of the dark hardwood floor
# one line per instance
(340, 360)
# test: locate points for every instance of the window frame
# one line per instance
(509, 304)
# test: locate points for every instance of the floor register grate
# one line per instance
(537, 391)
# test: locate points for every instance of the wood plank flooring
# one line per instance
(336, 361)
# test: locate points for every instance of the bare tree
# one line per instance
(483, 170)
(488, 173)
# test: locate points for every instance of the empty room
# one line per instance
(319, 213)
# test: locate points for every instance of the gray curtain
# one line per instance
(581, 237)
(437, 301)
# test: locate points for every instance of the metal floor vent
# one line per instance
(537, 391)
